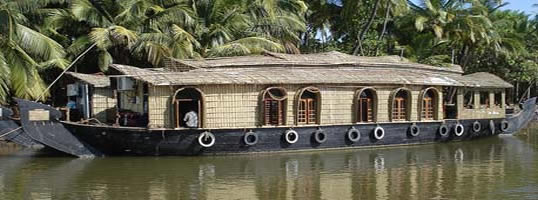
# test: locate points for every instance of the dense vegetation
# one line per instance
(40, 38)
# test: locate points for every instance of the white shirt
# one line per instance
(191, 119)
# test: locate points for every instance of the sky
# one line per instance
(522, 5)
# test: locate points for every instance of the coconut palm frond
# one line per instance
(79, 45)
(104, 60)
(232, 49)
(40, 45)
(4, 78)
(114, 35)
(85, 11)
(257, 45)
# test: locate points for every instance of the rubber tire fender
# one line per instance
(505, 125)
(204, 136)
(492, 127)
(320, 136)
(414, 130)
(248, 135)
(287, 135)
(353, 134)
(459, 126)
(379, 133)
(443, 130)
(477, 126)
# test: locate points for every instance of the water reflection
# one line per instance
(496, 168)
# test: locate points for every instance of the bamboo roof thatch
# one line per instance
(99, 81)
(485, 80)
(324, 68)
(332, 58)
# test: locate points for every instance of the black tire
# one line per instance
(504, 125)
(291, 137)
(492, 127)
(353, 135)
(443, 131)
(477, 126)
(320, 136)
(414, 130)
(459, 130)
(206, 139)
(379, 133)
(250, 138)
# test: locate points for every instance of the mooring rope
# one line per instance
(66, 69)
(3, 135)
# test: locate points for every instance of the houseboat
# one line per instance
(271, 103)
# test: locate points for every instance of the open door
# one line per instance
(188, 108)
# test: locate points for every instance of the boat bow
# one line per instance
(41, 122)
(521, 119)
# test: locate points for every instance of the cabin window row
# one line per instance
(483, 100)
(274, 104)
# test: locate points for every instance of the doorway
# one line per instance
(188, 101)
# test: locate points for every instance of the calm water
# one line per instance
(504, 167)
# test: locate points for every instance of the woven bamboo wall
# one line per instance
(292, 91)
(160, 113)
(237, 106)
(337, 105)
(383, 95)
(231, 106)
(102, 101)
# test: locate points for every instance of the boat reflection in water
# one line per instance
(486, 169)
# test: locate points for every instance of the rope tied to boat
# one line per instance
(5, 134)
(66, 69)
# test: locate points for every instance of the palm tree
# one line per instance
(394, 8)
(127, 31)
(225, 29)
(320, 18)
(434, 15)
(24, 52)
(280, 20)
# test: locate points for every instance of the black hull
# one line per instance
(144, 142)
(51, 132)
(14, 133)
(90, 140)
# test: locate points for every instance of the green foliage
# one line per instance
(39, 35)
(25, 51)
(475, 34)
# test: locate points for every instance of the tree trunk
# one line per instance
(387, 16)
(463, 55)
(360, 38)
(468, 57)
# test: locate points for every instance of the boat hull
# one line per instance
(13, 131)
(97, 140)
(151, 142)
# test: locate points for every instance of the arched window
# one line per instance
(274, 106)
(308, 106)
(400, 105)
(366, 105)
(188, 108)
(430, 104)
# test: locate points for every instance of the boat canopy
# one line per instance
(323, 68)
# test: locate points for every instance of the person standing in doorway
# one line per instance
(191, 119)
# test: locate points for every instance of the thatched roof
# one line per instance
(324, 68)
(484, 80)
(99, 81)
(332, 58)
